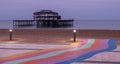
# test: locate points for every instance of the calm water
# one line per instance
(81, 24)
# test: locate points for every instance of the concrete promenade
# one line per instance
(7, 49)
(25, 41)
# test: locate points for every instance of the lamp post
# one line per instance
(10, 31)
(74, 35)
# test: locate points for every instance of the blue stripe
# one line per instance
(111, 46)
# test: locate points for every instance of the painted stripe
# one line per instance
(75, 52)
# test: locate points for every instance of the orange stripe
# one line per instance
(95, 45)
(30, 53)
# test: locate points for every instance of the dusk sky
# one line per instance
(69, 9)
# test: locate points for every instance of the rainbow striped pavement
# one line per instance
(75, 52)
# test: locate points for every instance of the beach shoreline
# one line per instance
(109, 33)
(56, 36)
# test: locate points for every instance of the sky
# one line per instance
(68, 9)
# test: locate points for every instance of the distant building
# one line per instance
(45, 18)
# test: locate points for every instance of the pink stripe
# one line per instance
(79, 53)
(41, 53)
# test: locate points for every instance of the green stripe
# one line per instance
(89, 44)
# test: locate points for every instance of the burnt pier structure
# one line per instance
(44, 18)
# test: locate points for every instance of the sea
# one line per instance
(78, 24)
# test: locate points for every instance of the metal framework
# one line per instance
(45, 18)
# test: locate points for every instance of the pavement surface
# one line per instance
(10, 49)
(111, 57)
